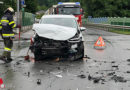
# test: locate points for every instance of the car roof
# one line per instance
(58, 16)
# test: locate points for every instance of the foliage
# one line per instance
(120, 31)
(31, 6)
(7, 3)
(39, 16)
(95, 8)
(98, 8)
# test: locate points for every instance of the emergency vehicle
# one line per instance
(70, 8)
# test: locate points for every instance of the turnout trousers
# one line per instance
(8, 44)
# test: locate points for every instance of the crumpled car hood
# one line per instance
(54, 32)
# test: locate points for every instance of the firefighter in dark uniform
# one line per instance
(6, 29)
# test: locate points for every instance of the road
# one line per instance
(106, 69)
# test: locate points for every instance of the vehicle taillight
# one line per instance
(57, 11)
(31, 41)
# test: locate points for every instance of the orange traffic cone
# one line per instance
(100, 44)
(1, 83)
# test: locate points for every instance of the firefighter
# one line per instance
(6, 29)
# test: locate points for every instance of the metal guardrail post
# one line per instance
(124, 23)
(111, 23)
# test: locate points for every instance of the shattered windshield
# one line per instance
(69, 10)
(68, 22)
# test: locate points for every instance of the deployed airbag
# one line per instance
(54, 32)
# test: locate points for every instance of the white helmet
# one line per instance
(10, 9)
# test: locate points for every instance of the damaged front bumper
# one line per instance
(49, 48)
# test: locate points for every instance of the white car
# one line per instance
(58, 36)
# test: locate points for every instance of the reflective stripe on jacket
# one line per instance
(0, 26)
(8, 49)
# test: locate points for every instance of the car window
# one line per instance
(74, 11)
(68, 22)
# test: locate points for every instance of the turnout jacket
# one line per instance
(6, 25)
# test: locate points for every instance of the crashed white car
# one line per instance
(58, 36)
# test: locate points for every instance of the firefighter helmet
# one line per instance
(9, 10)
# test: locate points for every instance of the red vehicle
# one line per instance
(70, 8)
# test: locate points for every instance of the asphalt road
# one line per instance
(106, 69)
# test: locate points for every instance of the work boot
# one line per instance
(8, 60)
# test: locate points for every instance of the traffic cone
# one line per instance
(1, 83)
(100, 44)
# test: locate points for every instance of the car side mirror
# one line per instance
(82, 28)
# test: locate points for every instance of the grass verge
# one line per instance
(120, 31)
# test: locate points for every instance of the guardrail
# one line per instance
(108, 26)
(113, 23)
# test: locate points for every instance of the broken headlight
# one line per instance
(75, 38)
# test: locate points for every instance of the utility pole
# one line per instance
(18, 19)
(18, 12)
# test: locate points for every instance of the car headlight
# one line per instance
(76, 37)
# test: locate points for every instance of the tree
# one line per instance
(7, 3)
(31, 6)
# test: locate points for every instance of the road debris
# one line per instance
(110, 74)
(59, 76)
(128, 60)
(86, 57)
(128, 72)
(19, 62)
(118, 78)
(41, 71)
(82, 76)
(39, 81)
(56, 73)
(28, 74)
(113, 62)
(96, 79)
(89, 77)
(115, 66)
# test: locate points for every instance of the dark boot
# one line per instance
(8, 60)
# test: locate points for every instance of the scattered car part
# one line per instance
(38, 81)
(27, 55)
(82, 76)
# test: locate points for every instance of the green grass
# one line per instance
(120, 31)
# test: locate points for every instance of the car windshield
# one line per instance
(68, 22)
(69, 10)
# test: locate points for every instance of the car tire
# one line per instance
(81, 50)
(37, 55)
